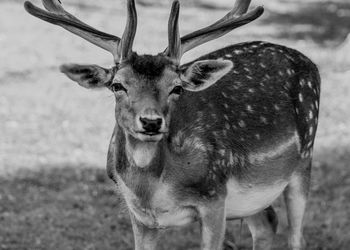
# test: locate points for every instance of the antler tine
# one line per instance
(240, 7)
(174, 33)
(129, 32)
(237, 17)
(58, 16)
(56, 6)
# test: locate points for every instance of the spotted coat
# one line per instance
(271, 93)
(222, 131)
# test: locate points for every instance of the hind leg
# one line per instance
(263, 227)
(295, 197)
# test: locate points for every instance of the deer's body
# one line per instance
(242, 139)
(218, 138)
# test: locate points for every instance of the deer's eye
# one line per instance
(177, 90)
(116, 87)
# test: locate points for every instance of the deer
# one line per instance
(214, 139)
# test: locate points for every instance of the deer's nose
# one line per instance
(151, 125)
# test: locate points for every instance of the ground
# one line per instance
(54, 192)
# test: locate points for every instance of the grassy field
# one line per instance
(54, 193)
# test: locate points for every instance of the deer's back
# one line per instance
(270, 96)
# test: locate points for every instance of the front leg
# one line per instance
(213, 223)
(145, 238)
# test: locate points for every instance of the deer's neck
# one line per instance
(153, 158)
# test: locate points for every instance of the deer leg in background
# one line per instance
(295, 197)
(145, 238)
(262, 226)
(213, 223)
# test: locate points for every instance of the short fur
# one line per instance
(149, 66)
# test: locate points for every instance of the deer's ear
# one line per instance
(88, 76)
(202, 74)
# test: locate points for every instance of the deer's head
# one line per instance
(146, 87)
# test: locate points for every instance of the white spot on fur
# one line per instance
(222, 152)
(249, 108)
(309, 84)
(311, 115)
(237, 52)
(311, 130)
(224, 94)
(262, 65)
(301, 99)
(241, 123)
(228, 55)
(263, 119)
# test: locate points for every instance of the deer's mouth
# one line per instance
(150, 133)
(149, 136)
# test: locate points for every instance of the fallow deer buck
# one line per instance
(214, 139)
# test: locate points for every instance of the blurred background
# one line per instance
(54, 192)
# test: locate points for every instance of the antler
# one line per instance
(129, 32)
(237, 17)
(55, 14)
(174, 33)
